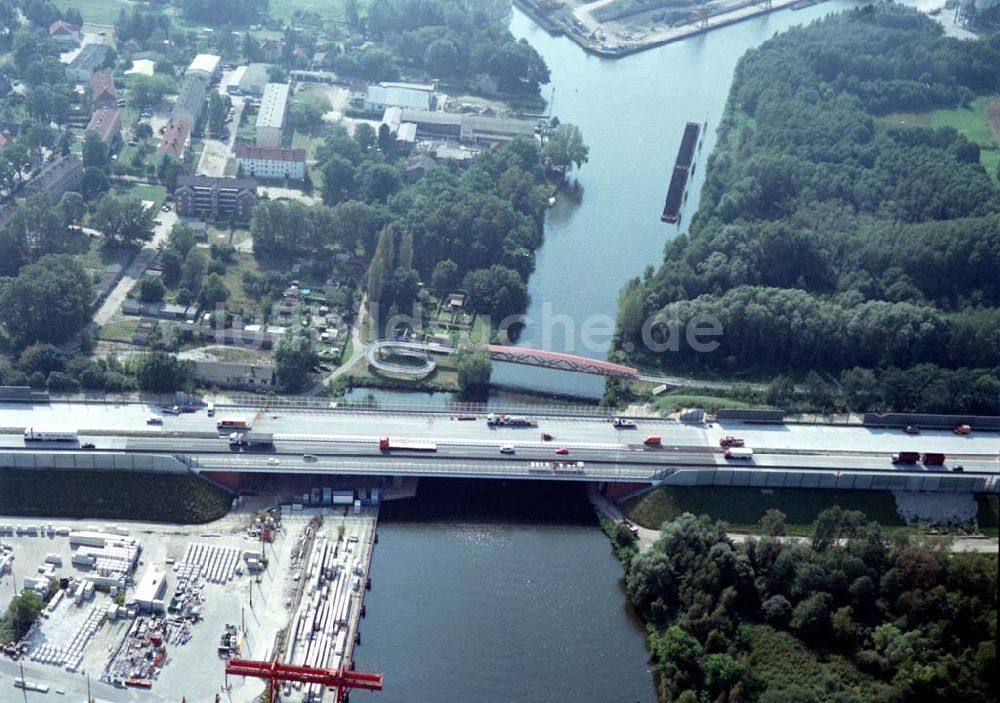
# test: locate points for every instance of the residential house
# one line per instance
(191, 98)
(102, 90)
(226, 374)
(207, 65)
(175, 140)
(216, 198)
(56, 177)
(272, 114)
(271, 162)
(107, 123)
(64, 33)
(271, 50)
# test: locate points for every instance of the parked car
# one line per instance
(165, 208)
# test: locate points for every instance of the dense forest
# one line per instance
(849, 617)
(444, 39)
(830, 236)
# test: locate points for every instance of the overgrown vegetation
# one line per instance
(851, 616)
(122, 495)
(23, 610)
(828, 239)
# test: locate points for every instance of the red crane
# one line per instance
(275, 673)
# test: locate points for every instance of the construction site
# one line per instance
(268, 599)
(616, 28)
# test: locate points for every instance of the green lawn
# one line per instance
(96, 11)
(742, 508)
(969, 121)
(119, 330)
(143, 191)
(331, 10)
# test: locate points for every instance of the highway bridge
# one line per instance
(345, 441)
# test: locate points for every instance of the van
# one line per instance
(210, 410)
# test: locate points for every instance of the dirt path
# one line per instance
(993, 115)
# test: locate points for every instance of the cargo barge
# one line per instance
(683, 168)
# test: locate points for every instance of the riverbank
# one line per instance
(593, 39)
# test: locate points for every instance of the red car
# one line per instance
(731, 442)
(562, 451)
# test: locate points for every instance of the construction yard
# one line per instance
(151, 612)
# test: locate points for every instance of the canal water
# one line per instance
(632, 113)
(488, 591)
(507, 592)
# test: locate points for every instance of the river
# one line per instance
(632, 113)
(508, 592)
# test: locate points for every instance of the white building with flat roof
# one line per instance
(409, 96)
(272, 114)
(151, 590)
(208, 64)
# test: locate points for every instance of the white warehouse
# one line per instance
(271, 117)
(271, 163)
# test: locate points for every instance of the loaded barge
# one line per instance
(683, 168)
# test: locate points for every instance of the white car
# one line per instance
(273, 462)
(507, 449)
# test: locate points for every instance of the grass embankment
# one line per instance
(783, 661)
(742, 508)
(988, 516)
(119, 495)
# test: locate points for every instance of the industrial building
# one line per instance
(207, 65)
(472, 129)
(271, 162)
(412, 96)
(85, 62)
(272, 114)
(151, 590)
(224, 374)
(216, 198)
(252, 79)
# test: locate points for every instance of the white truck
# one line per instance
(251, 439)
(739, 453)
(34, 434)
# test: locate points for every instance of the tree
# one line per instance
(48, 301)
(214, 291)
(151, 289)
(474, 371)
(146, 91)
(441, 58)
(497, 291)
(95, 151)
(94, 183)
(364, 135)
(338, 180)
(193, 270)
(351, 16)
(307, 112)
(72, 208)
(295, 358)
(124, 219)
(43, 358)
(22, 611)
(377, 181)
(161, 372)
(143, 131)
(565, 148)
(811, 617)
(773, 522)
(777, 611)
(444, 276)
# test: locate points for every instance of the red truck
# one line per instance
(933, 459)
(731, 442)
(384, 444)
(906, 458)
